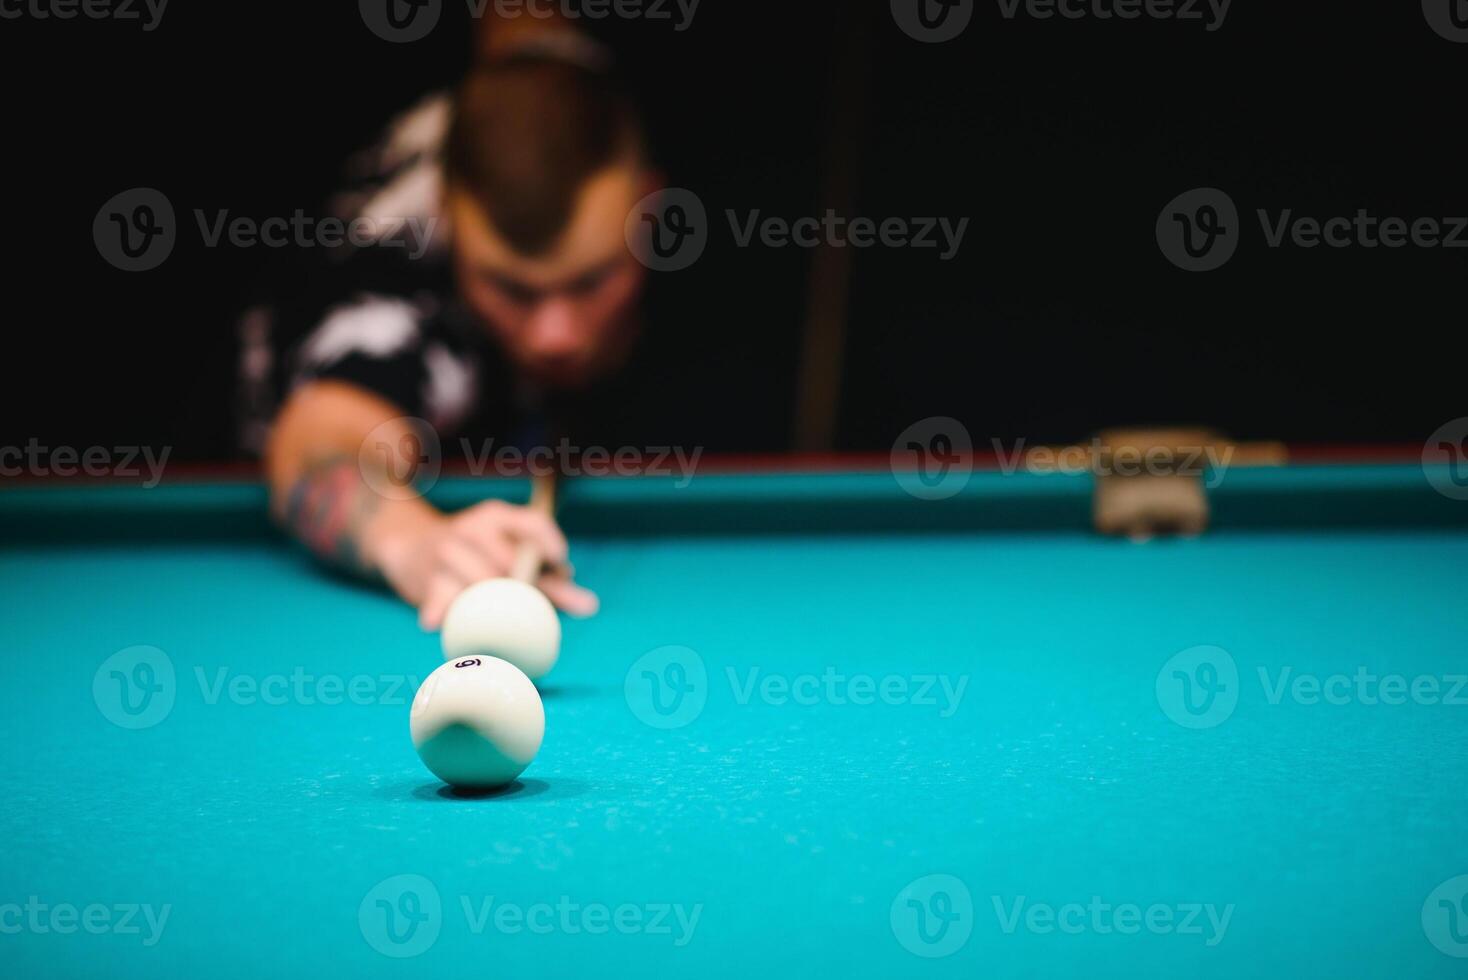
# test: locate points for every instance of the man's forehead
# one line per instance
(594, 237)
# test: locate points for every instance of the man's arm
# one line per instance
(327, 493)
(313, 463)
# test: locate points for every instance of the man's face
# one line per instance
(563, 317)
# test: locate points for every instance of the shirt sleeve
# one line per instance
(374, 342)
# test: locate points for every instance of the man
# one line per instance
(526, 290)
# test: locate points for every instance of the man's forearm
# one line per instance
(328, 509)
(327, 491)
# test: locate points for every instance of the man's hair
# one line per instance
(526, 137)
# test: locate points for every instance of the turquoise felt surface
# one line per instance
(789, 821)
(717, 503)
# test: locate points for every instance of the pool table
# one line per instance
(822, 727)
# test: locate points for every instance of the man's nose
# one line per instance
(553, 326)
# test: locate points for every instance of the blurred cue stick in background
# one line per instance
(1149, 482)
(823, 342)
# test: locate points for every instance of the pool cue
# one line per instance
(529, 562)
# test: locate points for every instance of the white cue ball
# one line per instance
(477, 723)
(506, 619)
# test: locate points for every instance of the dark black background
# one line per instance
(1061, 141)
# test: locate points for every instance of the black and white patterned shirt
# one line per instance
(384, 316)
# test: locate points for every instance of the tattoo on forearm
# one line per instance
(327, 509)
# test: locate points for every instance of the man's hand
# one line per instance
(320, 493)
(429, 558)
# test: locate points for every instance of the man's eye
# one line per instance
(587, 283)
(514, 291)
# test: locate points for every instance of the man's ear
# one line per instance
(452, 201)
(445, 209)
(650, 181)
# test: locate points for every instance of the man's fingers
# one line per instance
(491, 543)
(570, 597)
(443, 589)
(461, 559)
(528, 525)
